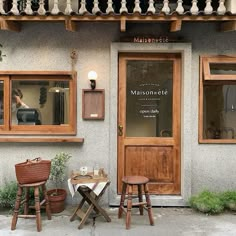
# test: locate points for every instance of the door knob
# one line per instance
(120, 130)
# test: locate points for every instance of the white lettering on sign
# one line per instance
(159, 92)
(93, 115)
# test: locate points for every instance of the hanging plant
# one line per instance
(43, 96)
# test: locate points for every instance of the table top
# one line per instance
(76, 178)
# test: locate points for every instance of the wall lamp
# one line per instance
(92, 76)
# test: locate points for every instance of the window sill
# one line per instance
(41, 140)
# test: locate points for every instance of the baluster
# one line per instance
(95, 9)
(166, 8)
(180, 8)
(68, 9)
(208, 9)
(109, 7)
(151, 7)
(41, 10)
(194, 9)
(221, 9)
(137, 7)
(28, 10)
(2, 11)
(123, 7)
(83, 9)
(55, 10)
(14, 8)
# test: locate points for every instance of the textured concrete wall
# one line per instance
(47, 46)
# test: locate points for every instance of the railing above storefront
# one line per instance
(94, 7)
(123, 10)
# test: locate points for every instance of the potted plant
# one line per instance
(57, 195)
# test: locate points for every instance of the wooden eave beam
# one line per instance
(122, 24)
(175, 25)
(228, 26)
(10, 25)
(70, 25)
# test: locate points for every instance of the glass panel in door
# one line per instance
(149, 96)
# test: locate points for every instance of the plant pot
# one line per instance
(57, 202)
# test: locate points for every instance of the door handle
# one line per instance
(120, 130)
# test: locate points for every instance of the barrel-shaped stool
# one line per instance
(25, 201)
(128, 182)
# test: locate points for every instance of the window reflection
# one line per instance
(220, 111)
(40, 102)
(223, 68)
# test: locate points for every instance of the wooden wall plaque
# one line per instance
(93, 102)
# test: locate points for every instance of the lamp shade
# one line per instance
(92, 75)
(56, 89)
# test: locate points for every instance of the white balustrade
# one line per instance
(55, 10)
(151, 7)
(166, 8)
(221, 9)
(14, 8)
(83, 8)
(28, 10)
(2, 11)
(109, 7)
(41, 11)
(194, 9)
(208, 9)
(69, 4)
(137, 7)
(95, 9)
(180, 8)
(123, 7)
(68, 9)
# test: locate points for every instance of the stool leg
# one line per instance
(149, 206)
(16, 209)
(129, 206)
(140, 198)
(122, 200)
(47, 204)
(37, 208)
(26, 201)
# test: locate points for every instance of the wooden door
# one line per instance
(149, 120)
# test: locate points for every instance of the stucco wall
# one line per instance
(47, 46)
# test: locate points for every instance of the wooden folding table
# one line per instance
(91, 189)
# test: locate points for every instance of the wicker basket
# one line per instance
(32, 171)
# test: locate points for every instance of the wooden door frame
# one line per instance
(159, 143)
(185, 50)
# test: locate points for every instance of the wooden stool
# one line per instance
(139, 181)
(25, 201)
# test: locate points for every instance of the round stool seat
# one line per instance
(32, 184)
(133, 180)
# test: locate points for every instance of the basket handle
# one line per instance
(37, 159)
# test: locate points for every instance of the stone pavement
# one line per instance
(168, 222)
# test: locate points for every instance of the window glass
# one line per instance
(223, 68)
(149, 98)
(40, 102)
(220, 111)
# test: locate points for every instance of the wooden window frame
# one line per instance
(207, 77)
(65, 129)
